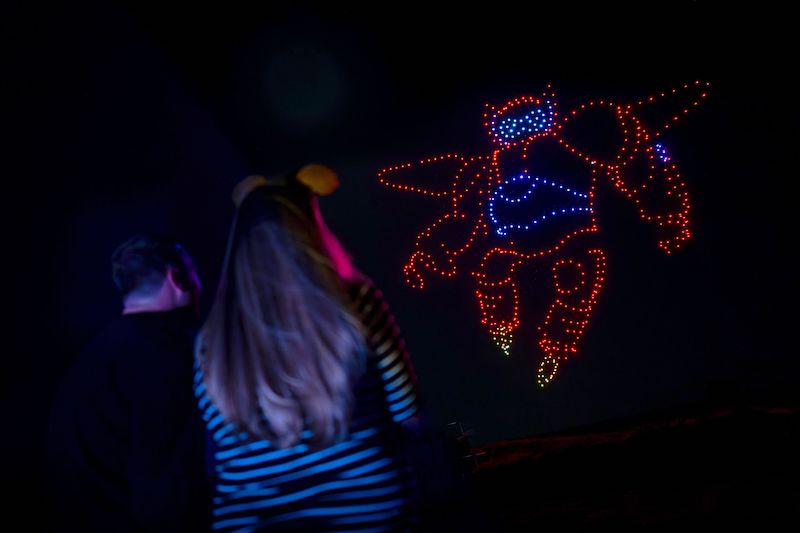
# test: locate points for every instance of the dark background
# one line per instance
(130, 117)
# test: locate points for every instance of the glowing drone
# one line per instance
(531, 197)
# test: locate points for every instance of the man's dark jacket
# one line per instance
(126, 442)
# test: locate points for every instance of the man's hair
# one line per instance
(141, 264)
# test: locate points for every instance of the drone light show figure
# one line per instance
(531, 198)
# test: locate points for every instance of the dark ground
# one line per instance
(726, 462)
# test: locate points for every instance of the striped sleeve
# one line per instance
(388, 347)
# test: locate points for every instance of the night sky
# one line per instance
(134, 118)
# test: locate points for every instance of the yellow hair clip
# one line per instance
(320, 179)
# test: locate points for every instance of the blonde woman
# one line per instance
(302, 378)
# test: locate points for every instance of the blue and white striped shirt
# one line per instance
(361, 483)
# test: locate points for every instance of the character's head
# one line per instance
(281, 348)
(154, 273)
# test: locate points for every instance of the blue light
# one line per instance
(538, 119)
(662, 152)
(533, 182)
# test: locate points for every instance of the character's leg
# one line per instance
(498, 295)
(578, 279)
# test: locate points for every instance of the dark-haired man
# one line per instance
(125, 444)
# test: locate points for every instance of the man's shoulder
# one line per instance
(130, 348)
(112, 339)
(117, 345)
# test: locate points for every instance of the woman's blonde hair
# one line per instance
(281, 349)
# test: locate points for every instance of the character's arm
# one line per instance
(652, 182)
(459, 182)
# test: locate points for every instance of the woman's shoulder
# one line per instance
(200, 349)
(360, 289)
